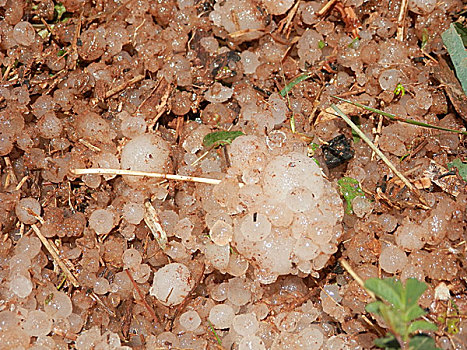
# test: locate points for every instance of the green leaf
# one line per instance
(462, 31)
(399, 90)
(389, 342)
(220, 138)
(321, 44)
(388, 289)
(374, 307)
(60, 10)
(422, 342)
(294, 82)
(414, 290)
(461, 167)
(350, 189)
(413, 312)
(453, 42)
(422, 325)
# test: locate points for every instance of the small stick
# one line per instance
(123, 86)
(143, 300)
(102, 171)
(401, 20)
(52, 250)
(284, 26)
(355, 276)
(326, 8)
(21, 183)
(381, 155)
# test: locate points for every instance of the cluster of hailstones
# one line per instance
(285, 219)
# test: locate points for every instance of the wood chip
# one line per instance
(152, 220)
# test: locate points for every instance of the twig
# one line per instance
(356, 277)
(382, 156)
(284, 26)
(401, 20)
(53, 251)
(150, 310)
(123, 86)
(326, 8)
(102, 171)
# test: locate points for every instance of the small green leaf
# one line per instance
(374, 307)
(425, 38)
(321, 44)
(294, 82)
(413, 312)
(221, 138)
(389, 342)
(350, 189)
(388, 289)
(461, 167)
(422, 325)
(399, 90)
(60, 10)
(414, 289)
(422, 342)
(453, 42)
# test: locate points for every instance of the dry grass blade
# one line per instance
(152, 220)
(401, 20)
(356, 277)
(399, 119)
(53, 251)
(143, 300)
(108, 171)
(380, 154)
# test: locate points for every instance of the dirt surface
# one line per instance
(244, 249)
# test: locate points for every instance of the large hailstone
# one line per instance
(147, 152)
(171, 284)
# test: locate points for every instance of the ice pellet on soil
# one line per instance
(255, 227)
(251, 342)
(38, 323)
(24, 33)
(147, 152)
(389, 79)
(101, 221)
(21, 286)
(59, 306)
(392, 259)
(171, 284)
(278, 7)
(101, 286)
(133, 212)
(25, 209)
(311, 338)
(221, 316)
(422, 6)
(132, 258)
(218, 93)
(221, 233)
(245, 324)
(29, 246)
(250, 62)
(190, 320)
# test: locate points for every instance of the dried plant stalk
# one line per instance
(106, 171)
(53, 251)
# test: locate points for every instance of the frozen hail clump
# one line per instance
(286, 218)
